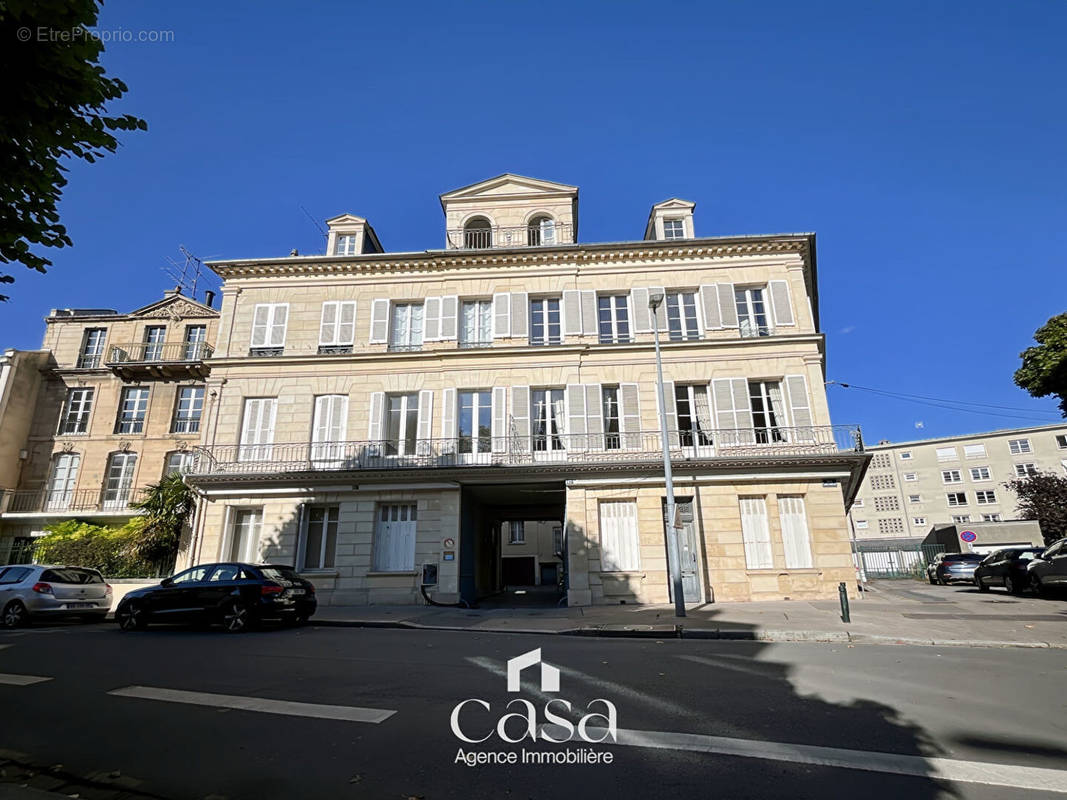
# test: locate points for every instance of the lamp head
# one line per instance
(654, 300)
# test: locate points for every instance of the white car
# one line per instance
(37, 591)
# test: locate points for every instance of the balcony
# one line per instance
(484, 238)
(173, 360)
(562, 450)
(73, 502)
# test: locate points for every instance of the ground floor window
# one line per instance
(244, 535)
(756, 533)
(320, 539)
(619, 539)
(394, 538)
(795, 538)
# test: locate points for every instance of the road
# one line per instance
(367, 715)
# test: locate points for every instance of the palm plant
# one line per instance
(165, 509)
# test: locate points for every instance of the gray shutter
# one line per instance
(672, 413)
(640, 316)
(520, 314)
(449, 315)
(448, 421)
(500, 420)
(725, 419)
(630, 415)
(379, 321)
(594, 416)
(575, 404)
(520, 419)
(709, 302)
(431, 321)
(727, 305)
(799, 407)
(589, 316)
(661, 312)
(783, 311)
(501, 315)
(742, 410)
(572, 312)
(374, 426)
(424, 429)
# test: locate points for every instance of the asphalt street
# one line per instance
(364, 713)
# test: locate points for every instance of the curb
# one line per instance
(682, 632)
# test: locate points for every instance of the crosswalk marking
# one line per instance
(241, 703)
(11, 679)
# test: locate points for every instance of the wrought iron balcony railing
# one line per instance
(60, 501)
(561, 449)
(158, 353)
(502, 236)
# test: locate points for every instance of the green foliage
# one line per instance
(54, 96)
(1044, 369)
(1043, 497)
(107, 548)
(166, 509)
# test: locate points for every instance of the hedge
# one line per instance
(108, 548)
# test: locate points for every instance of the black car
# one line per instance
(239, 596)
(955, 567)
(1049, 570)
(1006, 568)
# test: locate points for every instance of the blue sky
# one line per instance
(923, 142)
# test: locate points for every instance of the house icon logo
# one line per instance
(549, 674)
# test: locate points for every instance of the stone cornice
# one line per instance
(430, 261)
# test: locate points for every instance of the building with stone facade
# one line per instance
(381, 419)
(108, 405)
(912, 486)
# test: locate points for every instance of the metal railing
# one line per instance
(509, 236)
(754, 331)
(43, 501)
(158, 352)
(533, 449)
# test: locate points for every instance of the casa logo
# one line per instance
(476, 721)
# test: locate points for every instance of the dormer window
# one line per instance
(346, 244)
(673, 229)
(478, 234)
(541, 231)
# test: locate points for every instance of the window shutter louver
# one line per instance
(500, 427)
(449, 317)
(328, 325)
(346, 323)
(672, 413)
(743, 411)
(448, 421)
(424, 431)
(590, 326)
(278, 324)
(572, 312)
(374, 422)
(520, 418)
(575, 417)
(795, 539)
(799, 409)
(520, 313)
(756, 533)
(661, 312)
(502, 315)
(594, 416)
(379, 321)
(727, 305)
(630, 416)
(709, 303)
(619, 539)
(260, 324)
(431, 330)
(783, 310)
(639, 310)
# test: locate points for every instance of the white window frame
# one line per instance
(195, 341)
(329, 426)
(1061, 441)
(407, 326)
(974, 451)
(911, 476)
(796, 538)
(257, 428)
(608, 331)
(951, 476)
(346, 244)
(947, 454)
(688, 329)
(961, 519)
(516, 532)
(193, 407)
(238, 548)
(184, 462)
(398, 520)
(857, 503)
(549, 409)
(91, 352)
(862, 524)
(915, 498)
(154, 338)
(480, 402)
(78, 410)
(985, 497)
(483, 323)
(337, 332)
(981, 474)
(135, 400)
(62, 479)
(620, 540)
(673, 228)
(400, 445)
(905, 455)
(269, 324)
(1025, 470)
(918, 520)
(756, 533)
(1019, 447)
(541, 306)
(953, 499)
(118, 482)
(328, 526)
(994, 517)
(747, 316)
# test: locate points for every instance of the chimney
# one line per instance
(209, 298)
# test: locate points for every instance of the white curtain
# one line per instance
(775, 412)
(703, 410)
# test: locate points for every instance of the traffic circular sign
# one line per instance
(968, 536)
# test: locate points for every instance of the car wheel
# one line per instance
(932, 581)
(132, 617)
(1009, 584)
(941, 581)
(981, 586)
(237, 617)
(15, 615)
(1037, 586)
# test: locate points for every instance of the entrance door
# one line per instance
(688, 550)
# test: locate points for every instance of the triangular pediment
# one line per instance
(346, 219)
(175, 306)
(675, 202)
(509, 184)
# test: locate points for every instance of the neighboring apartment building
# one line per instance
(370, 414)
(109, 404)
(912, 486)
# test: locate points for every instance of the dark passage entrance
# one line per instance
(512, 544)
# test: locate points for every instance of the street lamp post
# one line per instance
(673, 551)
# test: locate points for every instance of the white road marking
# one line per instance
(287, 707)
(10, 679)
(945, 769)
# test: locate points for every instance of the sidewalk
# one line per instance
(892, 612)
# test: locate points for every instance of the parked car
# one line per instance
(239, 596)
(31, 592)
(1007, 568)
(956, 568)
(1049, 570)
(931, 568)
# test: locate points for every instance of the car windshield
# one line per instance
(1026, 555)
(71, 575)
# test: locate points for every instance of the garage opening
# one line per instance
(513, 546)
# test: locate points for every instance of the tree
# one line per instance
(1044, 369)
(1043, 497)
(165, 511)
(54, 100)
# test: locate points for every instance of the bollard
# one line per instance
(842, 592)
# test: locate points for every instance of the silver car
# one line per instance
(36, 591)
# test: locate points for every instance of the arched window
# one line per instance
(541, 230)
(478, 234)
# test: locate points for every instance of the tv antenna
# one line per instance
(185, 274)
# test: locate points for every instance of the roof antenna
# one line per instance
(315, 222)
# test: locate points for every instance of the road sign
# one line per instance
(968, 536)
